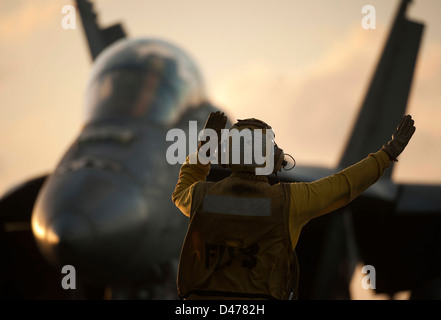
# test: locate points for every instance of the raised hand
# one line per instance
(400, 138)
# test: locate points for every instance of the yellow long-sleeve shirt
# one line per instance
(307, 200)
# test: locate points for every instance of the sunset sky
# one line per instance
(302, 66)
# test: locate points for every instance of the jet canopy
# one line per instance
(146, 79)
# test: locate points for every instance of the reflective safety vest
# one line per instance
(238, 243)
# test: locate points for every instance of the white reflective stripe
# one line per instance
(258, 207)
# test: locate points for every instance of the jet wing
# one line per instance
(304, 174)
(16, 205)
(400, 238)
(419, 199)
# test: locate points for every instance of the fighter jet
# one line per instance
(106, 209)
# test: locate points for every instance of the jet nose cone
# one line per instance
(71, 234)
(91, 220)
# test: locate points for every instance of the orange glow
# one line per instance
(359, 293)
(42, 233)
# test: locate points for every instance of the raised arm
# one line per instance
(189, 175)
(310, 200)
(193, 171)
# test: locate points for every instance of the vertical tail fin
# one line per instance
(386, 100)
(97, 38)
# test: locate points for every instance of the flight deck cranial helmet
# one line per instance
(252, 124)
(145, 79)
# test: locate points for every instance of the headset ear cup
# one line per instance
(279, 155)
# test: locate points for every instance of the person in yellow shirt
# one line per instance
(243, 231)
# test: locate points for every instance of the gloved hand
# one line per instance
(400, 138)
(216, 121)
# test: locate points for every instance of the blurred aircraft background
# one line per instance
(257, 58)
